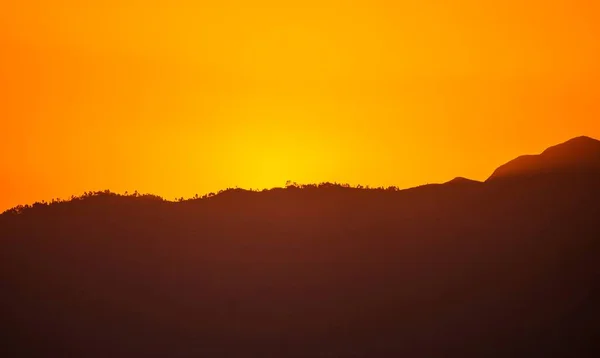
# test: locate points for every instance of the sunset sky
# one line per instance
(178, 98)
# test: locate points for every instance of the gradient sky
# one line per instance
(178, 98)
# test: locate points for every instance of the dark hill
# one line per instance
(463, 181)
(581, 154)
(495, 269)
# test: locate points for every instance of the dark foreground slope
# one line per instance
(506, 268)
(576, 156)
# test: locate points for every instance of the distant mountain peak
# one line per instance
(576, 154)
(582, 145)
(462, 180)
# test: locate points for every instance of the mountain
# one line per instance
(504, 268)
(581, 154)
(463, 181)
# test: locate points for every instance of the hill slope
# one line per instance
(495, 269)
(581, 154)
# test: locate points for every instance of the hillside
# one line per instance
(581, 154)
(505, 268)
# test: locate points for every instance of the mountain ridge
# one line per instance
(577, 154)
(497, 269)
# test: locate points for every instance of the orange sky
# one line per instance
(178, 98)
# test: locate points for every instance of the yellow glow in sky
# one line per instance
(180, 98)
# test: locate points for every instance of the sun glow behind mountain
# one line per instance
(181, 98)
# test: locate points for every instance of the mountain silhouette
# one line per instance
(578, 154)
(462, 181)
(504, 268)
